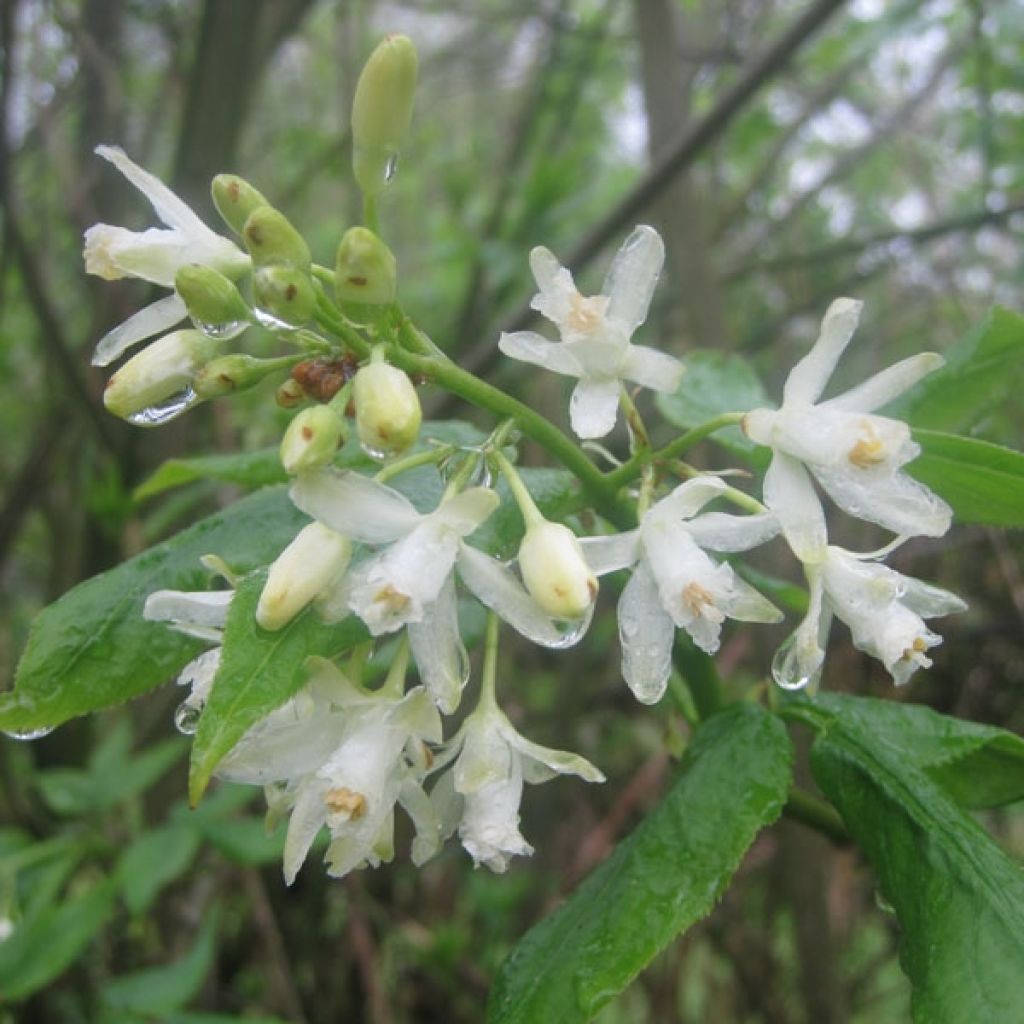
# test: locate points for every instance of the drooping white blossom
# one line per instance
(155, 254)
(676, 584)
(884, 610)
(856, 456)
(596, 330)
(480, 795)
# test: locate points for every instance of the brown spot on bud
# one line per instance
(226, 380)
(290, 292)
(254, 234)
(307, 434)
(347, 802)
(233, 191)
(359, 282)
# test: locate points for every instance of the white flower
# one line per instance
(675, 584)
(338, 756)
(154, 255)
(482, 792)
(884, 609)
(856, 457)
(595, 331)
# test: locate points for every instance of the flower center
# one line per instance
(393, 600)
(586, 314)
(869, 450)
(915, 652)
(700, 602)
(346, 803)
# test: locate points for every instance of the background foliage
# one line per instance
(879, 158)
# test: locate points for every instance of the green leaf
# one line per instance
(978, 765)
(92, 649)
(983, 370)
(259, 671)
(161, 990)
(958, 897)
(257, 468)
(45, 945)
(659, 881)
(715, 383)
(983, 482)
(245, 841)
(154, 860)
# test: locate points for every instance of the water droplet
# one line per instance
(29, 734)
(573, 631)
(171, 408)
(375, 453)
(482, 475)
(221, 332)
(6, 928)
(786, 668)
(186, 717)
(883, 904)
(272, 323)
(391, 167)
(463, 664)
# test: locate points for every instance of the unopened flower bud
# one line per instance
(209, 296)
(381, 110)
(160, 371)
(228, 374)
(290, 394)
(555, 571)
(314, 559)
(388, 413)
(235, 200)
(286, 293)
(365, 270)
(270, 238)
(311, 439)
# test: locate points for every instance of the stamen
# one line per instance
(869, 450)
(345, 802)
(586, 314)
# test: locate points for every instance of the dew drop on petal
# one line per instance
(786, 669)
(573, 631)
(272, 323)
(28, 734)
(391, 167)
(378, 454)
(171, 408)
(186, 718)
(221, 332)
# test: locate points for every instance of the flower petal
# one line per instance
(633, 275)
(542, 763)
(308, 817)
(354, 505)
(789, 493)
(894, 500)
(646, 632)
(651, 368)
(200, 613)
(496, 586)
(928, 601)
(153, 319)
(687, 499)
(886, 385)
(808, 378)
(438, 649)
(593, 407)
(747, 604)
(530, 347)
(798, 662)
(606, 554)
(415, 802)
(464, 512)
(718, 531)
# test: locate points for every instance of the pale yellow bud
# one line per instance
(555, 571)
(310, 564)
(311, 439)
(388, 413)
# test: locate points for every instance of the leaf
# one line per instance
(958, 897)
(259, 671)
(659, 881)
(161, 990)
(983, 370)
(715, 383)
(245, 841)
(978, 765)
(257, 468)
(983, 482)
(45, 945)
(92, 649)
(154, 860)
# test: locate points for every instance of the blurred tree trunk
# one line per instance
(667, 82)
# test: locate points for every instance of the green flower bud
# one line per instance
(388, 413)
(209, 296)
(270, 238)
(290, 394)
(162, 370)
(311, 563)
(235, 200)
(365, 271)
(286, 293)
(555, 571)
(228, 374)
(381, 110)
(311, 439)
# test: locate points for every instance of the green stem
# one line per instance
(639, 439)
(490, 667)
(426, 458)
(822, 817)
(527, 506)
(370, 218)
(739, 498)
(631, 468)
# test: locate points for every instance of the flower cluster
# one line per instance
(342, 755)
